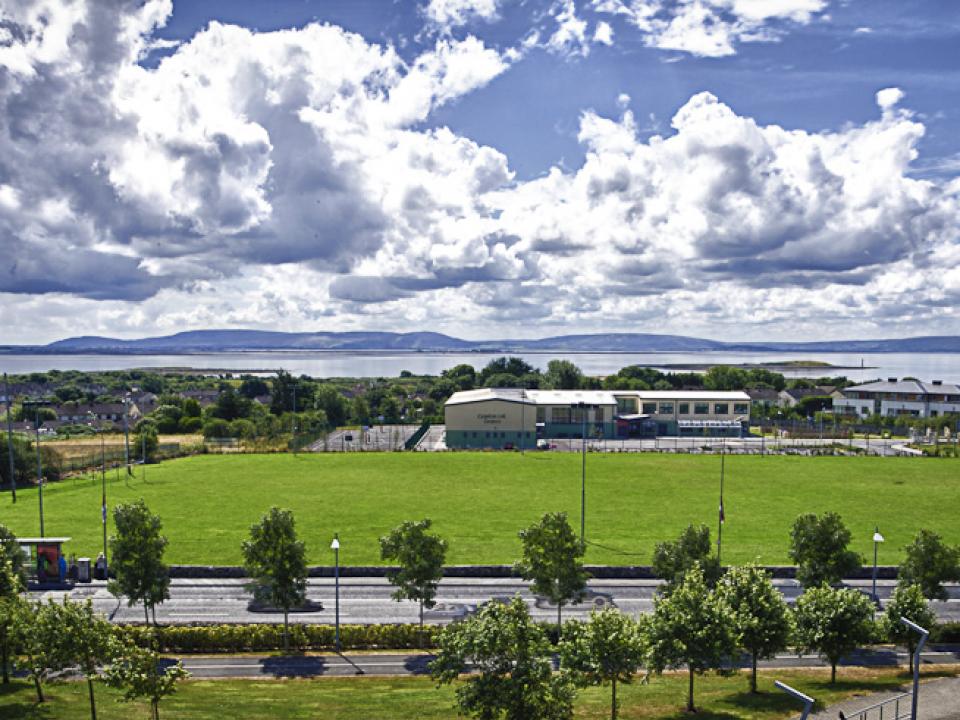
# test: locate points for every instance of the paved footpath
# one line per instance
(939, 700)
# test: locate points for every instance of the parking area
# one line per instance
(370, 439)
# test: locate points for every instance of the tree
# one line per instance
(505, 365)
(252, 387)
(607, 649)
(761, 618)
(929, 563)
(725, 377)
(907, 601)
(275, 561)
(563, 375)
(672, 560)
(420, 556)
(818, 545)
(83, 640)
(834, 622)
(335, 405)
(463, 376)
(11, 604)
(691, 626)
(509, 655)
(34, 632)
(137, 556)
(10, 552)
(145, 441)
(138, 673)
(551, 559)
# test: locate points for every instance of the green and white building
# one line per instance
(509, 418)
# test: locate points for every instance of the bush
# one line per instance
(262, 638)
(948, 632)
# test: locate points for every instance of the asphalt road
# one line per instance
(341, 665)
(367, 600)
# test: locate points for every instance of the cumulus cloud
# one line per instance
(710, 28)
(453, 13)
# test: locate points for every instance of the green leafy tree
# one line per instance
(818, 545)
(608, 649)
(761, 617)
(138, 673)
(552, 561)
(335, 405)
(672, 560)
(834, 622)
(275, 561)
(83, 640)
(907, 601)
(509, 655)
(725, 377)
(145, 441)
(11, 604)
(463, 376)
(136, 552)
(563, 375)
(420, 555)
(691, 626)
(10, 552)
(34, 633)
(929, 563)
(505, 366)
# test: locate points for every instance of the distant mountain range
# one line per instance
(202, 341)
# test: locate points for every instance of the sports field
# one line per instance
(479, 501)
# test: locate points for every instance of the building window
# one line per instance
(741, 408)
(701, 408)
(666, 408)
(684, 408)
(598, 415)
(721, 408)
(560, 415)
(626, 405)
(541, 415)
(649, 408)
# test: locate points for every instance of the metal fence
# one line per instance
(895, 708)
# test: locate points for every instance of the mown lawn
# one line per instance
(479, 501)
(717, 698)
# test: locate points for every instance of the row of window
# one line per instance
(496, 434)
(700, 408)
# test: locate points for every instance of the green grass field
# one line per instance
(479, 501)
(411, 698)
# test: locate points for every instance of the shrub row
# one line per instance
(261, 638)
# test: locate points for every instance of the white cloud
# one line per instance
(603, 33)
(710, 28)
(570, 36)
(453, 13)
(888, 98)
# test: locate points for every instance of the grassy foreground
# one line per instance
(411, 698)
(479, 501)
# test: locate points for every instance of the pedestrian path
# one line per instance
(939, 700)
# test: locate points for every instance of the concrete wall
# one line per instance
(490, 424)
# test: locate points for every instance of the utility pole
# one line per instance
(293, 421)
(126, 436)
(723, 447)
(13, 479)
(39, 469)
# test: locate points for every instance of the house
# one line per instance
(791, 397)
(892, 398)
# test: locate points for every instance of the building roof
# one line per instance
(906, 386)
(572, 397)
(798, 393)
(721, 395)
(486, 394)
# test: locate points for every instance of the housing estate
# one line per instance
(507, 417)
(894, 397)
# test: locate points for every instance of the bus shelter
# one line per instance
(44, 561)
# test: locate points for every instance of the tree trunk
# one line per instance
(36, 683)
(156, 709)
(93, 705)
(146, 612)
(153, 614)
(5, 660)
(613, 699)
(286, 635)
(833, 671)
(690, 707)
(559, 624)
(753, 674)
(420, 635)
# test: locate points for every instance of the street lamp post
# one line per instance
(36, 405)
(924, 634)
(582, 406)
(877, 539)
(335, 546)
(13, 481)
(103, 484)
(805, 699)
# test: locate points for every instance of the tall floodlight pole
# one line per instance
(293, 420)
(805, 699)
(583, 474)
(523, 427)
(126, 438)
(877, 539)
(720, 520)
(335, 546)
(39, 468)
(924, 634)
(13, 480)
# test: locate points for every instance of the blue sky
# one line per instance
(724, 168)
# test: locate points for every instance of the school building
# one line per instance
(507, 418)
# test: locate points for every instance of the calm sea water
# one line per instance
(927, 366)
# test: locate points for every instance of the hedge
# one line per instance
(261, 638)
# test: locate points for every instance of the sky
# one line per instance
(730, 169)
